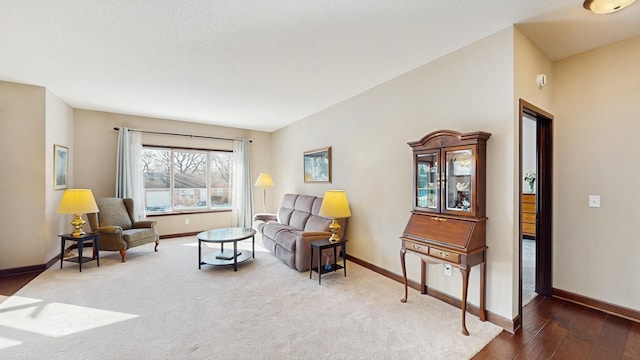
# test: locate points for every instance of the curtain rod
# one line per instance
(178, 134)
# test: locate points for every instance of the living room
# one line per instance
(475, 88)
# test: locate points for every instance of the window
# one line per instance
(177, 180)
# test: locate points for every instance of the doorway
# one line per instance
(529, 211)
(534, 119)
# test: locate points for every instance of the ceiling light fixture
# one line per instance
(606, 6)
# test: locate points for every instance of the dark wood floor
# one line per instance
(552, 329)
(558, 329)
(9, 285)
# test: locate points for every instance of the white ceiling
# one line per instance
(262, 64)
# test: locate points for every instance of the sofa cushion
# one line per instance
(304, 203)
(289, 201)
(286, 208)
(298, 219)
(287, 239)
(284, 215)
(317, 223)
(271, 229)
(317, 204)
(113, 213)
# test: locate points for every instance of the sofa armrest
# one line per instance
(303, 254)
(260, 219)
(309, 236)
(144, 224)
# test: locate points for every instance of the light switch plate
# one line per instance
(594, 201)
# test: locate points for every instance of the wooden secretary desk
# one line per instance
(448, 221)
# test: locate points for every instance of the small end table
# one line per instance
(326, 244)
(80, 240)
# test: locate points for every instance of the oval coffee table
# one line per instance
(226, 257)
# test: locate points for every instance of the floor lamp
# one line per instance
(264, 181)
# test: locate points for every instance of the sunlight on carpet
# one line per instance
(57, 319)
(265, 310)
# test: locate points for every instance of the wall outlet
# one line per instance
(594, 200)
(447, 269)
(186, 221)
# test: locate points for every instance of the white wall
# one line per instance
(529, 162)
(528, 62)
(59, 130)
(596, 250)
(95, 158)
(22, 143)
(468, 90)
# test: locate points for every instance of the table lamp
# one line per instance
(264, 180)
(335, 206)
(77, 202)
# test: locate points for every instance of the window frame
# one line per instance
(172, 188)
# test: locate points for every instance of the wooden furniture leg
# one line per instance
(465, 286)
(483, 311)
(423, 276)
(403, 251)
(123, 255)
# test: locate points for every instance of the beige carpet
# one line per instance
(160, 306)
(528, 271)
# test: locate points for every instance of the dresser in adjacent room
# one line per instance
(529, 215)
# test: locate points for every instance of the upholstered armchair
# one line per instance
(117, 228)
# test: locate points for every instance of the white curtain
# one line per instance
(242, 186)
(128, 174)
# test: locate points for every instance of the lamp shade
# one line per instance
(264, 180)
(606, 6)
(335, 205)
(77, 201)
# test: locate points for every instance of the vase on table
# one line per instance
(531, 185)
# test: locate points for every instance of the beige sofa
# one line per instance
(288, 233)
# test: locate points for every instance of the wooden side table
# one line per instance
(326, 244)
(80, 240)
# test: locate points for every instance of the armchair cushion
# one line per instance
(114, 213)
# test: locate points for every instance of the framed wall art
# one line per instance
(317, 165)
(60, 167)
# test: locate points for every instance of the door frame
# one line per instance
(544, 199)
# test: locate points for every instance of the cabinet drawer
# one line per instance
(529, 229)
(528, 208)
(529, 198)
(443, 254)
(416, 247)
(529, 218)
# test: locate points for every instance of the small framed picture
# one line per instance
(60, 167)
(317, 165)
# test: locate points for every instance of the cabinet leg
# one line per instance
(483, 311)
(423, 277)
(404, 274)
(465, 286)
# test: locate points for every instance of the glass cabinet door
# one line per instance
(427, 177)
(459, 180)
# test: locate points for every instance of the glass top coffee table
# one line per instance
(226, 257)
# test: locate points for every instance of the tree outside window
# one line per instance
(176, 179)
